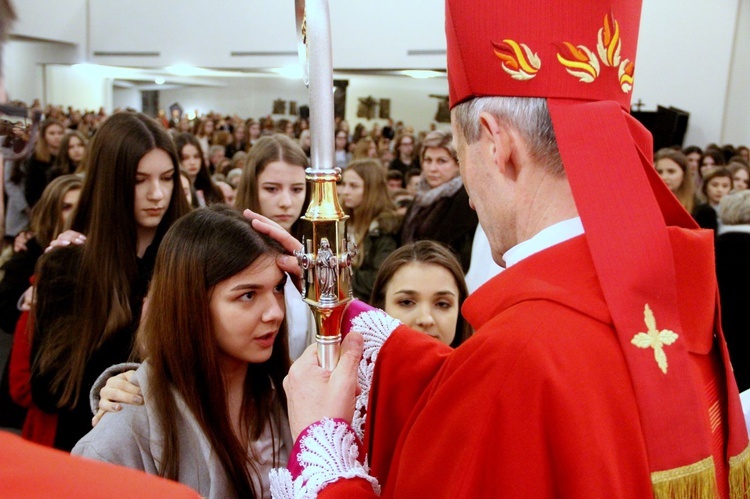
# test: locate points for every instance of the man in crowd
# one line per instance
(598, 368)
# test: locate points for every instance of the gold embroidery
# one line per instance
(609, 42)
(655, 339)
(518, 59)
(579, 62)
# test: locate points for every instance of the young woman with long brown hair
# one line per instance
(215, 348)
(36, 169)
(373, 222)
(88, 298)
(194, 164)
(71, 155)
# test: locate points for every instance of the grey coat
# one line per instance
(132, 438)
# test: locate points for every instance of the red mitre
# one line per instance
(580, 56)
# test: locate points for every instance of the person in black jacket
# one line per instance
(733, 275)
(89, 298)
(441, 210)
(37, 167)
(47, 222)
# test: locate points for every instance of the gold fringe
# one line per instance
(694, 481)
(739, 475)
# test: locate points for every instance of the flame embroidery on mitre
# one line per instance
(579, 61)
(609, 43)
(518, 59)
(625, 73)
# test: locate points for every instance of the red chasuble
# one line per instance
(539, 402)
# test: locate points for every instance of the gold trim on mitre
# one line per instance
(739, 474)
(694, 481)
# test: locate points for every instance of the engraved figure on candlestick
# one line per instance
(327, 269)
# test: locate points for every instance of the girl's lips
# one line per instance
(267, 339)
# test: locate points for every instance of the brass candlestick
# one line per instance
(326, 261)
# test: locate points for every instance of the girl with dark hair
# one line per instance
(273, 184)
(373, 222)
(422, 285)
(215, 350)
(89, 297)
(716, 184)
(48, 220)
(193, 163)
(37, 167)
(71, 156)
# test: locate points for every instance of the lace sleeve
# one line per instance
(325, 452)
(376, 327)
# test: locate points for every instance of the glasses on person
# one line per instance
(7, 129)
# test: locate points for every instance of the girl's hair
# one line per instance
(691, 149)
(686, 192)
(715, 172)
(200, 251)
(202, 129)
(109, 264)
(46, 217)
(737, 166)
(375, 202)
(362, 148)
(717, 156)
(63, 164)
(424, 252)
(41, 148)
(438, 138)
(203, 182)
(268, 149)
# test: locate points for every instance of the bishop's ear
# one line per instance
(496, 137)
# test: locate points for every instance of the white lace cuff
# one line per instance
(328, 451)
(375, 326)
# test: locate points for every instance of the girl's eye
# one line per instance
(270, 189)
(405, 302)
(444, 304)
(248, 296)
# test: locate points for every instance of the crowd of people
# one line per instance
(110, 183)
(148, 277)
(102, 202)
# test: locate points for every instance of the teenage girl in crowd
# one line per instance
(373, 222)
(194, 164)
(71, 156)
(89, 297)
(48, 220)
(215, 348)
(38, 166)
(673, 169)
(716, 184)
(273, 184)
(422, 285)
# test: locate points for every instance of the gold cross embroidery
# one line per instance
(655, 339)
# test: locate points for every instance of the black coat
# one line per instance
(37, 178)
(733, 274)
(18, 271)
(56, 315)
(448, 220)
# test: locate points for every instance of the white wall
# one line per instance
(127, 98)
(683, 60)
(247, 97)
(24, 66)
(736, 129)
(78, 86)
(684, 57)
(55, 20)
